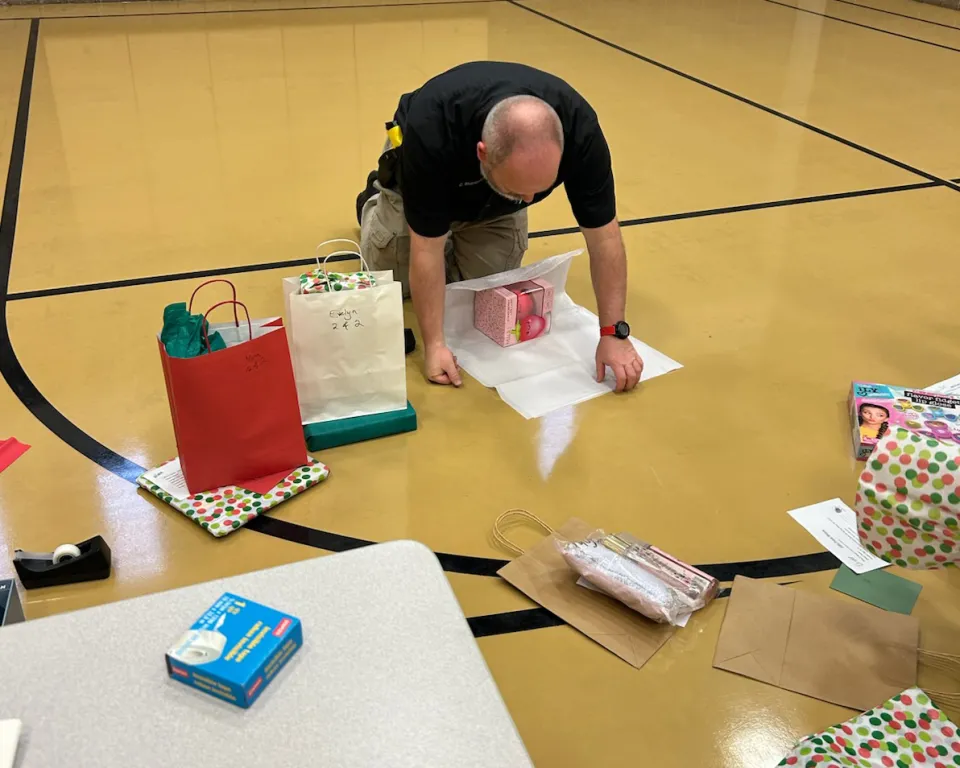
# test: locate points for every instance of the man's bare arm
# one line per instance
(608, 270)
(428, 279)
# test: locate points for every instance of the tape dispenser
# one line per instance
(67, 564)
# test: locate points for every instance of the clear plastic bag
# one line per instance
(640, 576)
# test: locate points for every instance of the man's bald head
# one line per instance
(520, 147)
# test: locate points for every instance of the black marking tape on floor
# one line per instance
(742, 99)
(169, 278)
(257, 10)
(667, 217)
(28, 394)
(901, 15)
(790, 201)
(864, 26)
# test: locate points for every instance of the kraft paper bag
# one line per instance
(844, 653)
(543, 575)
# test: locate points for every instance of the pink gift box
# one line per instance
(514, 313)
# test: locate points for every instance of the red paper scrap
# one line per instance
(11, 449)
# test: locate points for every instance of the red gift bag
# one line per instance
(235, 411)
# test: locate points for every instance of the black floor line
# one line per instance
(220, 271)
(865, 26)
(169, 278)
(901, 15)
(252, 10)
(742, 99)
(746, 207)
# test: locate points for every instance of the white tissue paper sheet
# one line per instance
(551, 372)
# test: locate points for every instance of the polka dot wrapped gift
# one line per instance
(908, 731)
(908, 501)
(319, 281)
(226, 509)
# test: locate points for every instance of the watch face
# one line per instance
(621, 330)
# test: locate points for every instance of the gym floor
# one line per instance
(784, 177)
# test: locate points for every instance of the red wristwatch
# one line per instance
(621, 330)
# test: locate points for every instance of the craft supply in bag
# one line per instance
(908, 500)
(639, 575)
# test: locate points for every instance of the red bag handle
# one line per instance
(233, 288)
(206, 336)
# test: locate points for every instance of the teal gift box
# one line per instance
(321, 435)
(235, 649)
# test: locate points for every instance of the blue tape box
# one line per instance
(235, 649)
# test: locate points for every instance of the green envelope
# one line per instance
(879, 588)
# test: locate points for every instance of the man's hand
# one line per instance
(440, 366)
(623, 360)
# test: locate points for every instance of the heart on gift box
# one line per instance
(530, 327)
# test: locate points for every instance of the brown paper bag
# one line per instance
(543, 575)
(845, 653)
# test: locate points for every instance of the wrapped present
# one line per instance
(908, 500)
(224, 510)
(319, 280)
(908, 730)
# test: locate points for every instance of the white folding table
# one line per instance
(389, 676)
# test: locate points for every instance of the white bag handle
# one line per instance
(355, 252)
(322, 266)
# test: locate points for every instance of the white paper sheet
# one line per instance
(554, 371)
(946, 387)
(9, 737)
(834, 525)
(169, 477)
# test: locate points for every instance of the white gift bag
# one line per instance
(347, 348)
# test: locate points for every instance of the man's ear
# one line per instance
(481, 152)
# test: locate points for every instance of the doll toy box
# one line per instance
(514, 313)
(874, 408)
(235, 649)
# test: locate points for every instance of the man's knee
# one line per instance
(384, 237)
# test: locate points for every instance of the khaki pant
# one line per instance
(475, 249)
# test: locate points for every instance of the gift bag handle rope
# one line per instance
(322, 266)
(233, 288)
(206, 336)
(520, 514)
(942, 662)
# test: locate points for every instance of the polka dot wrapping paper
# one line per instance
(319, 281)
(908, 501)
(228, 508)
(908, 731)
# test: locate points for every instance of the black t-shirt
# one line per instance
(440, 178)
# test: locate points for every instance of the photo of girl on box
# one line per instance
(873, 421)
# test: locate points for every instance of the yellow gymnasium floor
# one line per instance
(784, 175)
